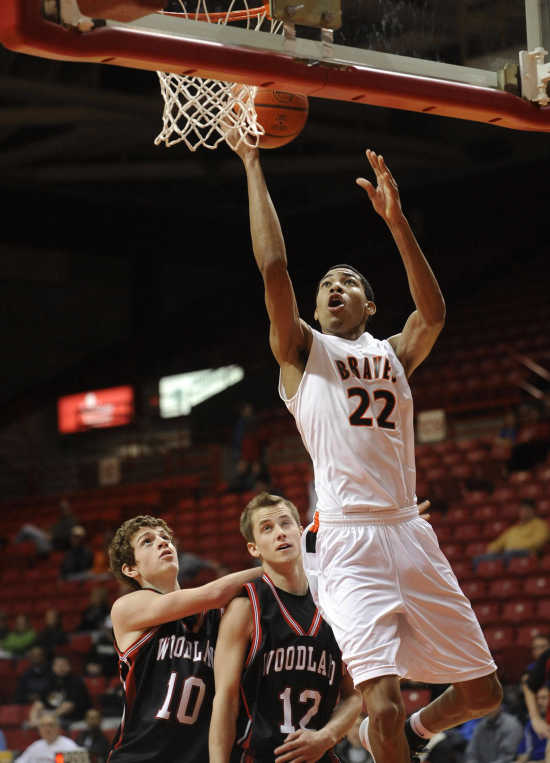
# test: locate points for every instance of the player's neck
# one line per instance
(352, 334)
(162, 585)
(291, 578)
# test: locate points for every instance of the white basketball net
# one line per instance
(205, 112)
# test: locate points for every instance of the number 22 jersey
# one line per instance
(168, 681)
(292, 674)
(354, 411)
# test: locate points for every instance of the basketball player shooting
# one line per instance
(374, 566)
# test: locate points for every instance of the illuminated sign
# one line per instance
(180, 393)
(97, 409)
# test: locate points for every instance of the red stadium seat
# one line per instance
(487, 612)
(463, 569)
(518, 612)
(475, 590)
(414, 699)
(523, 565)
(13, 716)
(499, 637)
(469, 532)
(543, 610)
(504, 588)
(475, 549)
(537, 586)
(490, 568)
(527, 633)
(453, 551)
(486, 513)
(494, 527)
(19, 739)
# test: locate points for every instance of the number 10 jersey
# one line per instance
(168, 681)
(354, 412)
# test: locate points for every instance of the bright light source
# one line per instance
(182, 392)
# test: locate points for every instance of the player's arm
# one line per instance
(308, 745)
(423, 326)
(289, 336)
(229, 656)
(144, 609)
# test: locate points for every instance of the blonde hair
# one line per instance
(262, 501)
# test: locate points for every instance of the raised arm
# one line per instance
(289, 337)
(229, 657)
(423, 326)
(137, 611)
(310, 745)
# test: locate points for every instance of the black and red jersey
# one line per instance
(168, 681)
(292, 674)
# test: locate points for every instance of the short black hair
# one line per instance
(367, 288)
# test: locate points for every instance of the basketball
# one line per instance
(282, 115)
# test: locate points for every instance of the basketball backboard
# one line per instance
(461, 59)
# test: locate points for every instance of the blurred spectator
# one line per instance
(448, 747)
(21, 637)
(97, 610)
(51, 742)
(3, 745)
(102, 659)
(57, 538)
(533, 747)
(539, 644)
(52, 634)
(36, 679)
(100, 567)
(508, 433)
(350, 748)
(66, 695)
(526, 537)
(190, 565)
(79, 558)
(537, 678)
(244, 434)
(92, 738)
(496, 738)
(249, 475)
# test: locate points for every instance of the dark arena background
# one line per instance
(122, 263)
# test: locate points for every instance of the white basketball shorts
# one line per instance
(393, 601)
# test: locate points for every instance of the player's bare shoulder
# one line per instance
(123, 616)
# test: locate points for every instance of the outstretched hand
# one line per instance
(385, 197)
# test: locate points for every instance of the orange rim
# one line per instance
(250, 13)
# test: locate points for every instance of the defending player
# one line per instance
(165, 655)
(374, 567)
(278, 668)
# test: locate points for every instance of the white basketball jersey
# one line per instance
(354, 411)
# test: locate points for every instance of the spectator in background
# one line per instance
(537, 678)
(51, 742)
(532, 746)
(97, 610)
(21, 637)
(57, 538)
(100, 567)
(36, 679)
(495, 739)
(66, 695)
(92, 738)
(102, 659)
(190, 565)
(52, 634)
(79, 558)
(3, 745)
(524, 538)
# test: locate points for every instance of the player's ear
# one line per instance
(252, 550)
(129, 570)
(370, 308)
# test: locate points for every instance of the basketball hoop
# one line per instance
(203, 112)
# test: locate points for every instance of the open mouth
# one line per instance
(283, 546)
(335, 302)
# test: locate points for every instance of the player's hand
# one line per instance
(423, 508)
(385, 197)
(541, 728)
(304, 746)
